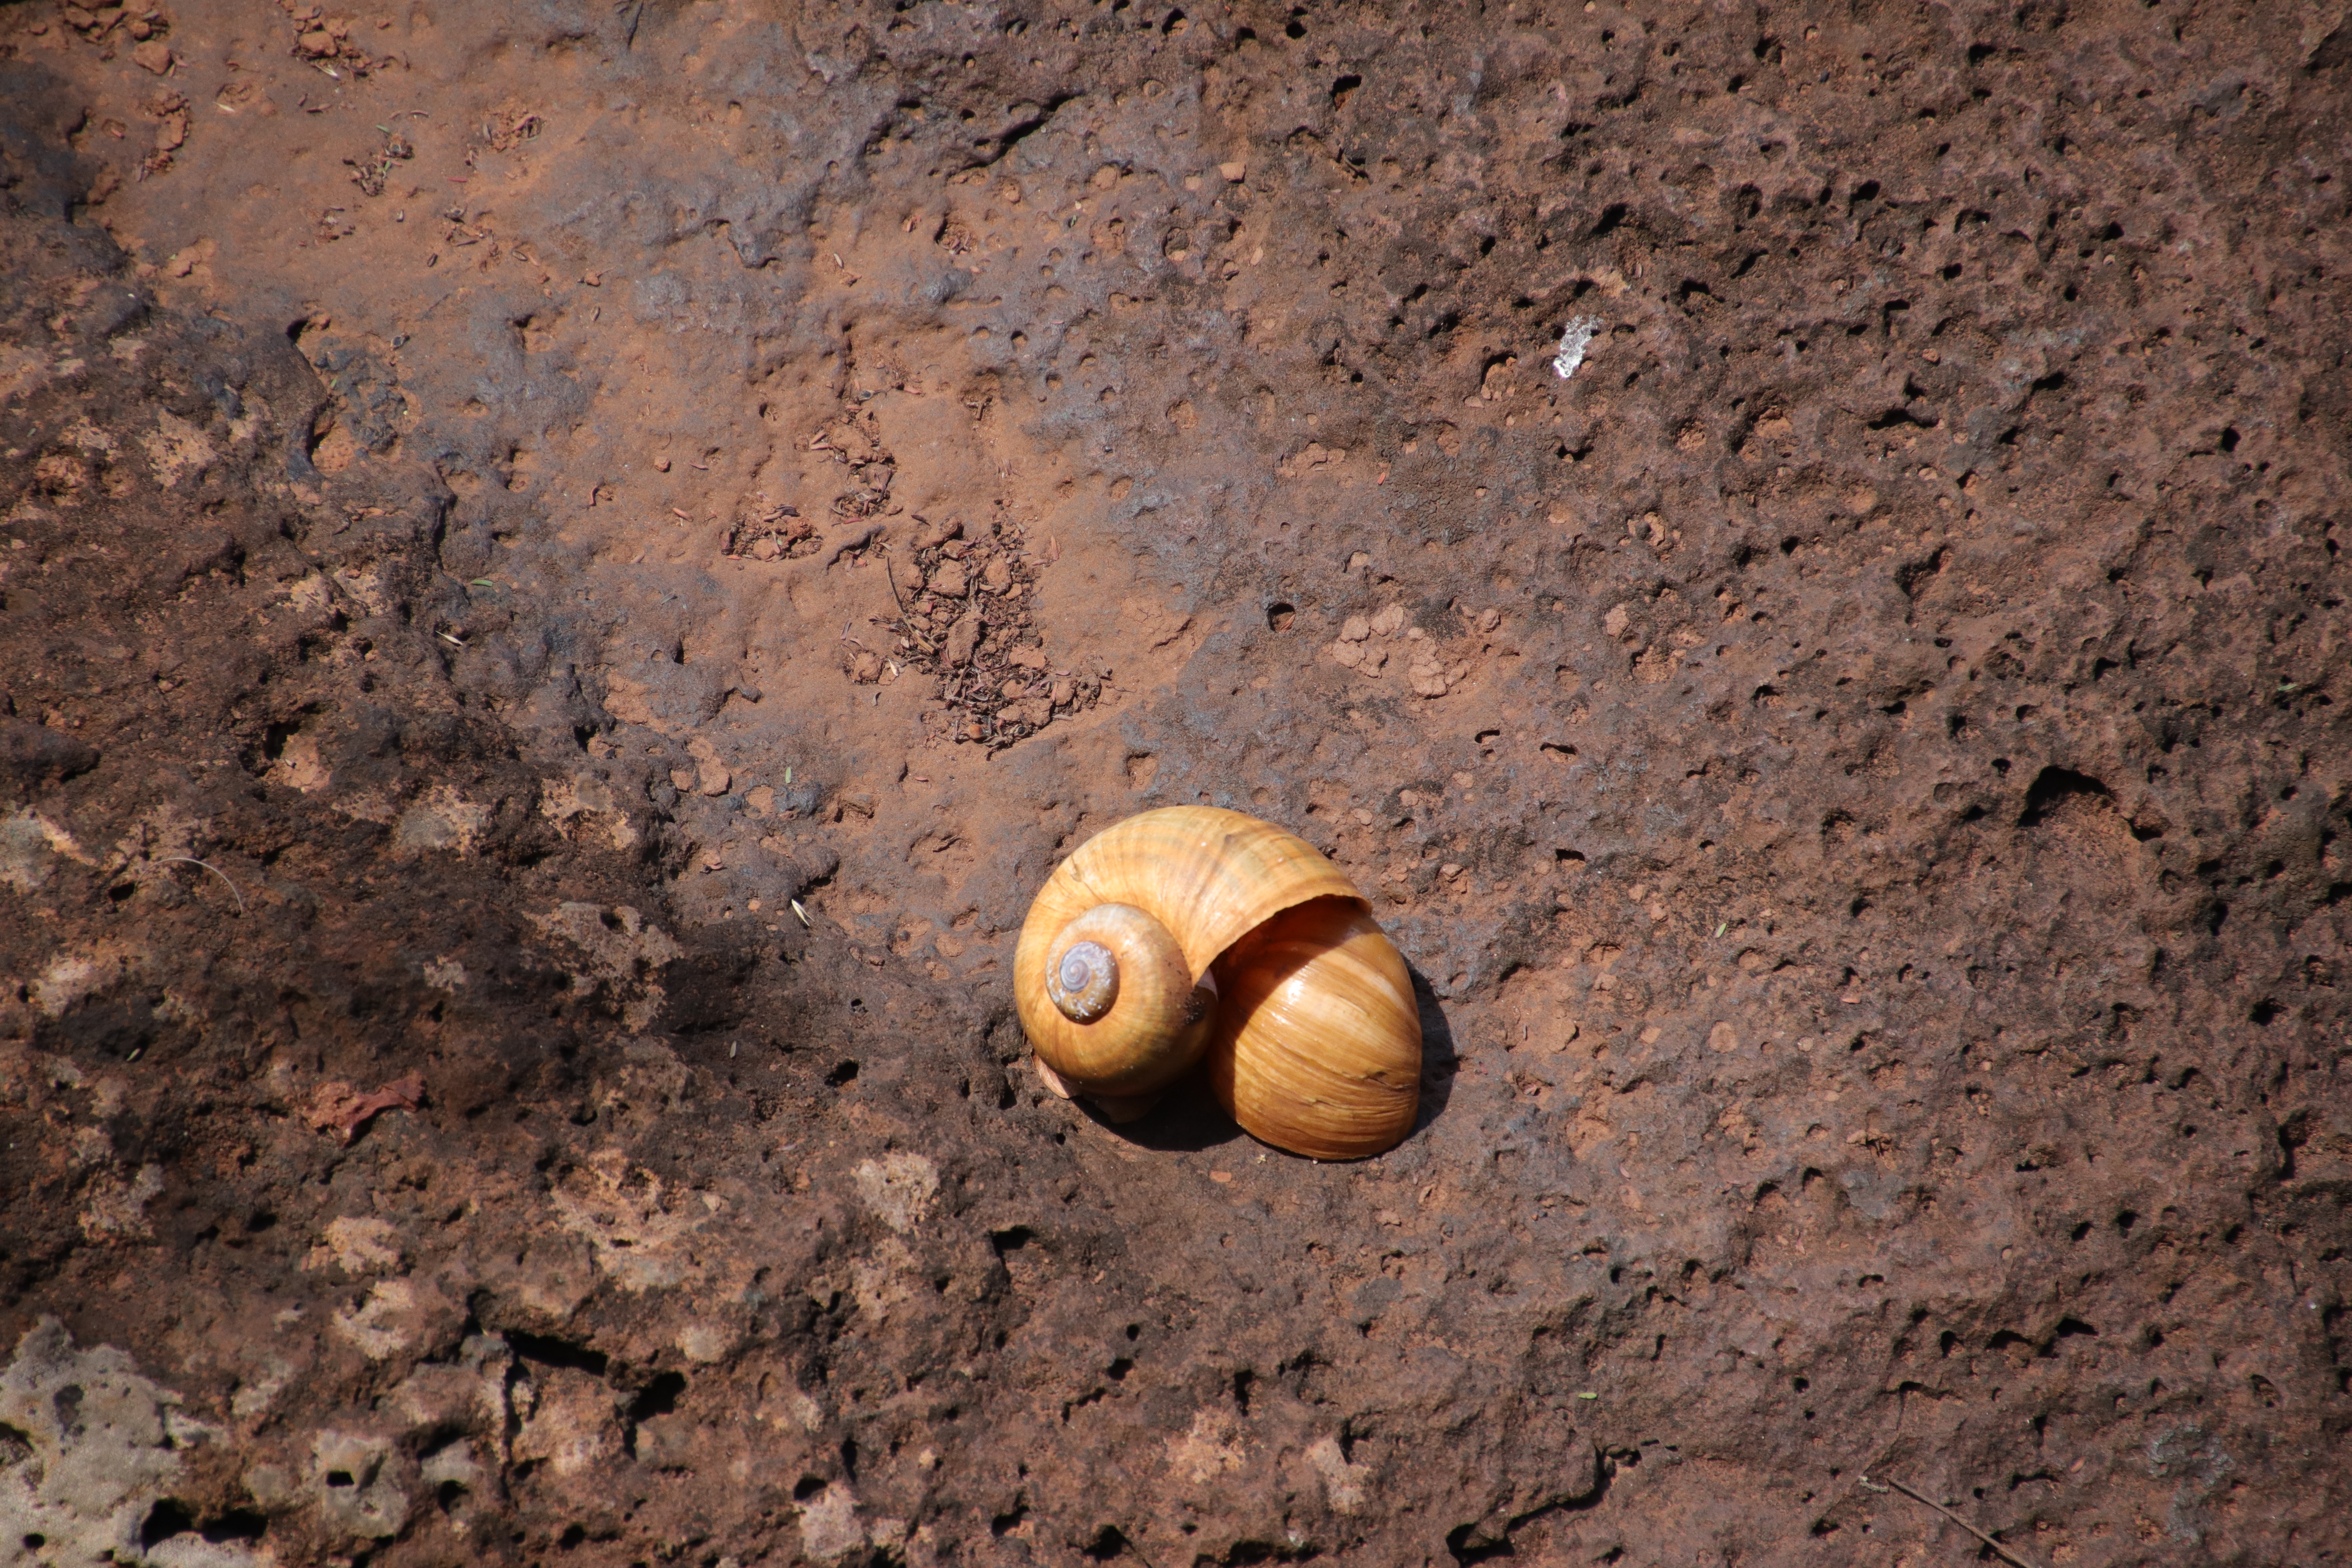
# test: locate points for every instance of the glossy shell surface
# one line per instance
(1317, 1046)
(1315, 1042)
(1207, 874)
(1154, 1025)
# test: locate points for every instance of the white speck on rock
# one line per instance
(1574, 339)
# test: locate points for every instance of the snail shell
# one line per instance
(1194, 931)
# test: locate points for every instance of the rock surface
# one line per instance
(567, 570)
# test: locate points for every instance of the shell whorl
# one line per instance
(1084, 982)
(1114, 1013)
(1164, 893)
(1316, 1047)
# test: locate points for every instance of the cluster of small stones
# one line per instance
(1366, 643)
(107, 25)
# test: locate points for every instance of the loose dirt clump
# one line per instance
(856, 442)
(331, 44)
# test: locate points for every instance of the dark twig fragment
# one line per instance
(2006, 1554)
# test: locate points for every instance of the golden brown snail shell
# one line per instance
(1194, 930)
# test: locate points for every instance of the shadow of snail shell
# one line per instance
(1194, 932)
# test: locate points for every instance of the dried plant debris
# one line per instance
(769, 531)
(963, 616)
(461, 232)
(371, 172)
(510, 126)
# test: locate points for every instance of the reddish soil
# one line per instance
(566, 570)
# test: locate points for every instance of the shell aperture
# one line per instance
(1318, 1048)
